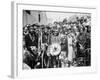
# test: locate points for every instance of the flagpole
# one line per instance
(40, 37)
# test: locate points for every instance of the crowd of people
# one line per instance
(65, 43)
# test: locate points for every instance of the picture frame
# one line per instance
(17, 42)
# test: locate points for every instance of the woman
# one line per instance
(71, 54)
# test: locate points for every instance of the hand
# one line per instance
(33, 47)
(81, 47)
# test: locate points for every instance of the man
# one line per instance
(45, 42)
(64, 50)
(55, 40)
(31, 40)
(31, 43)
(55, 36)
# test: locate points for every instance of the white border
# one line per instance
(17, 35)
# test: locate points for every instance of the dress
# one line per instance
(70, 48)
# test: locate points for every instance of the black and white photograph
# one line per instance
(55, 39)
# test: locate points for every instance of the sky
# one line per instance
(59, 16)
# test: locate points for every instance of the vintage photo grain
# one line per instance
(54, 39)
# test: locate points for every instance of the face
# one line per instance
(56, 33)
(46, 30)
(25, 29)
(81, 30)
(31, 29)
(35, 27)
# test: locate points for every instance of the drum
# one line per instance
(54, 49)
